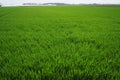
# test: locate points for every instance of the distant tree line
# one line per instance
(43, 4)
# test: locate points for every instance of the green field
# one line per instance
(60, 43)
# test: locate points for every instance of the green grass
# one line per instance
(60, 43)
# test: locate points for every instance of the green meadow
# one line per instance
(60, 43)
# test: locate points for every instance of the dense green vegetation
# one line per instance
(60, 43)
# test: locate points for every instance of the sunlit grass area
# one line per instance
(60, 43)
